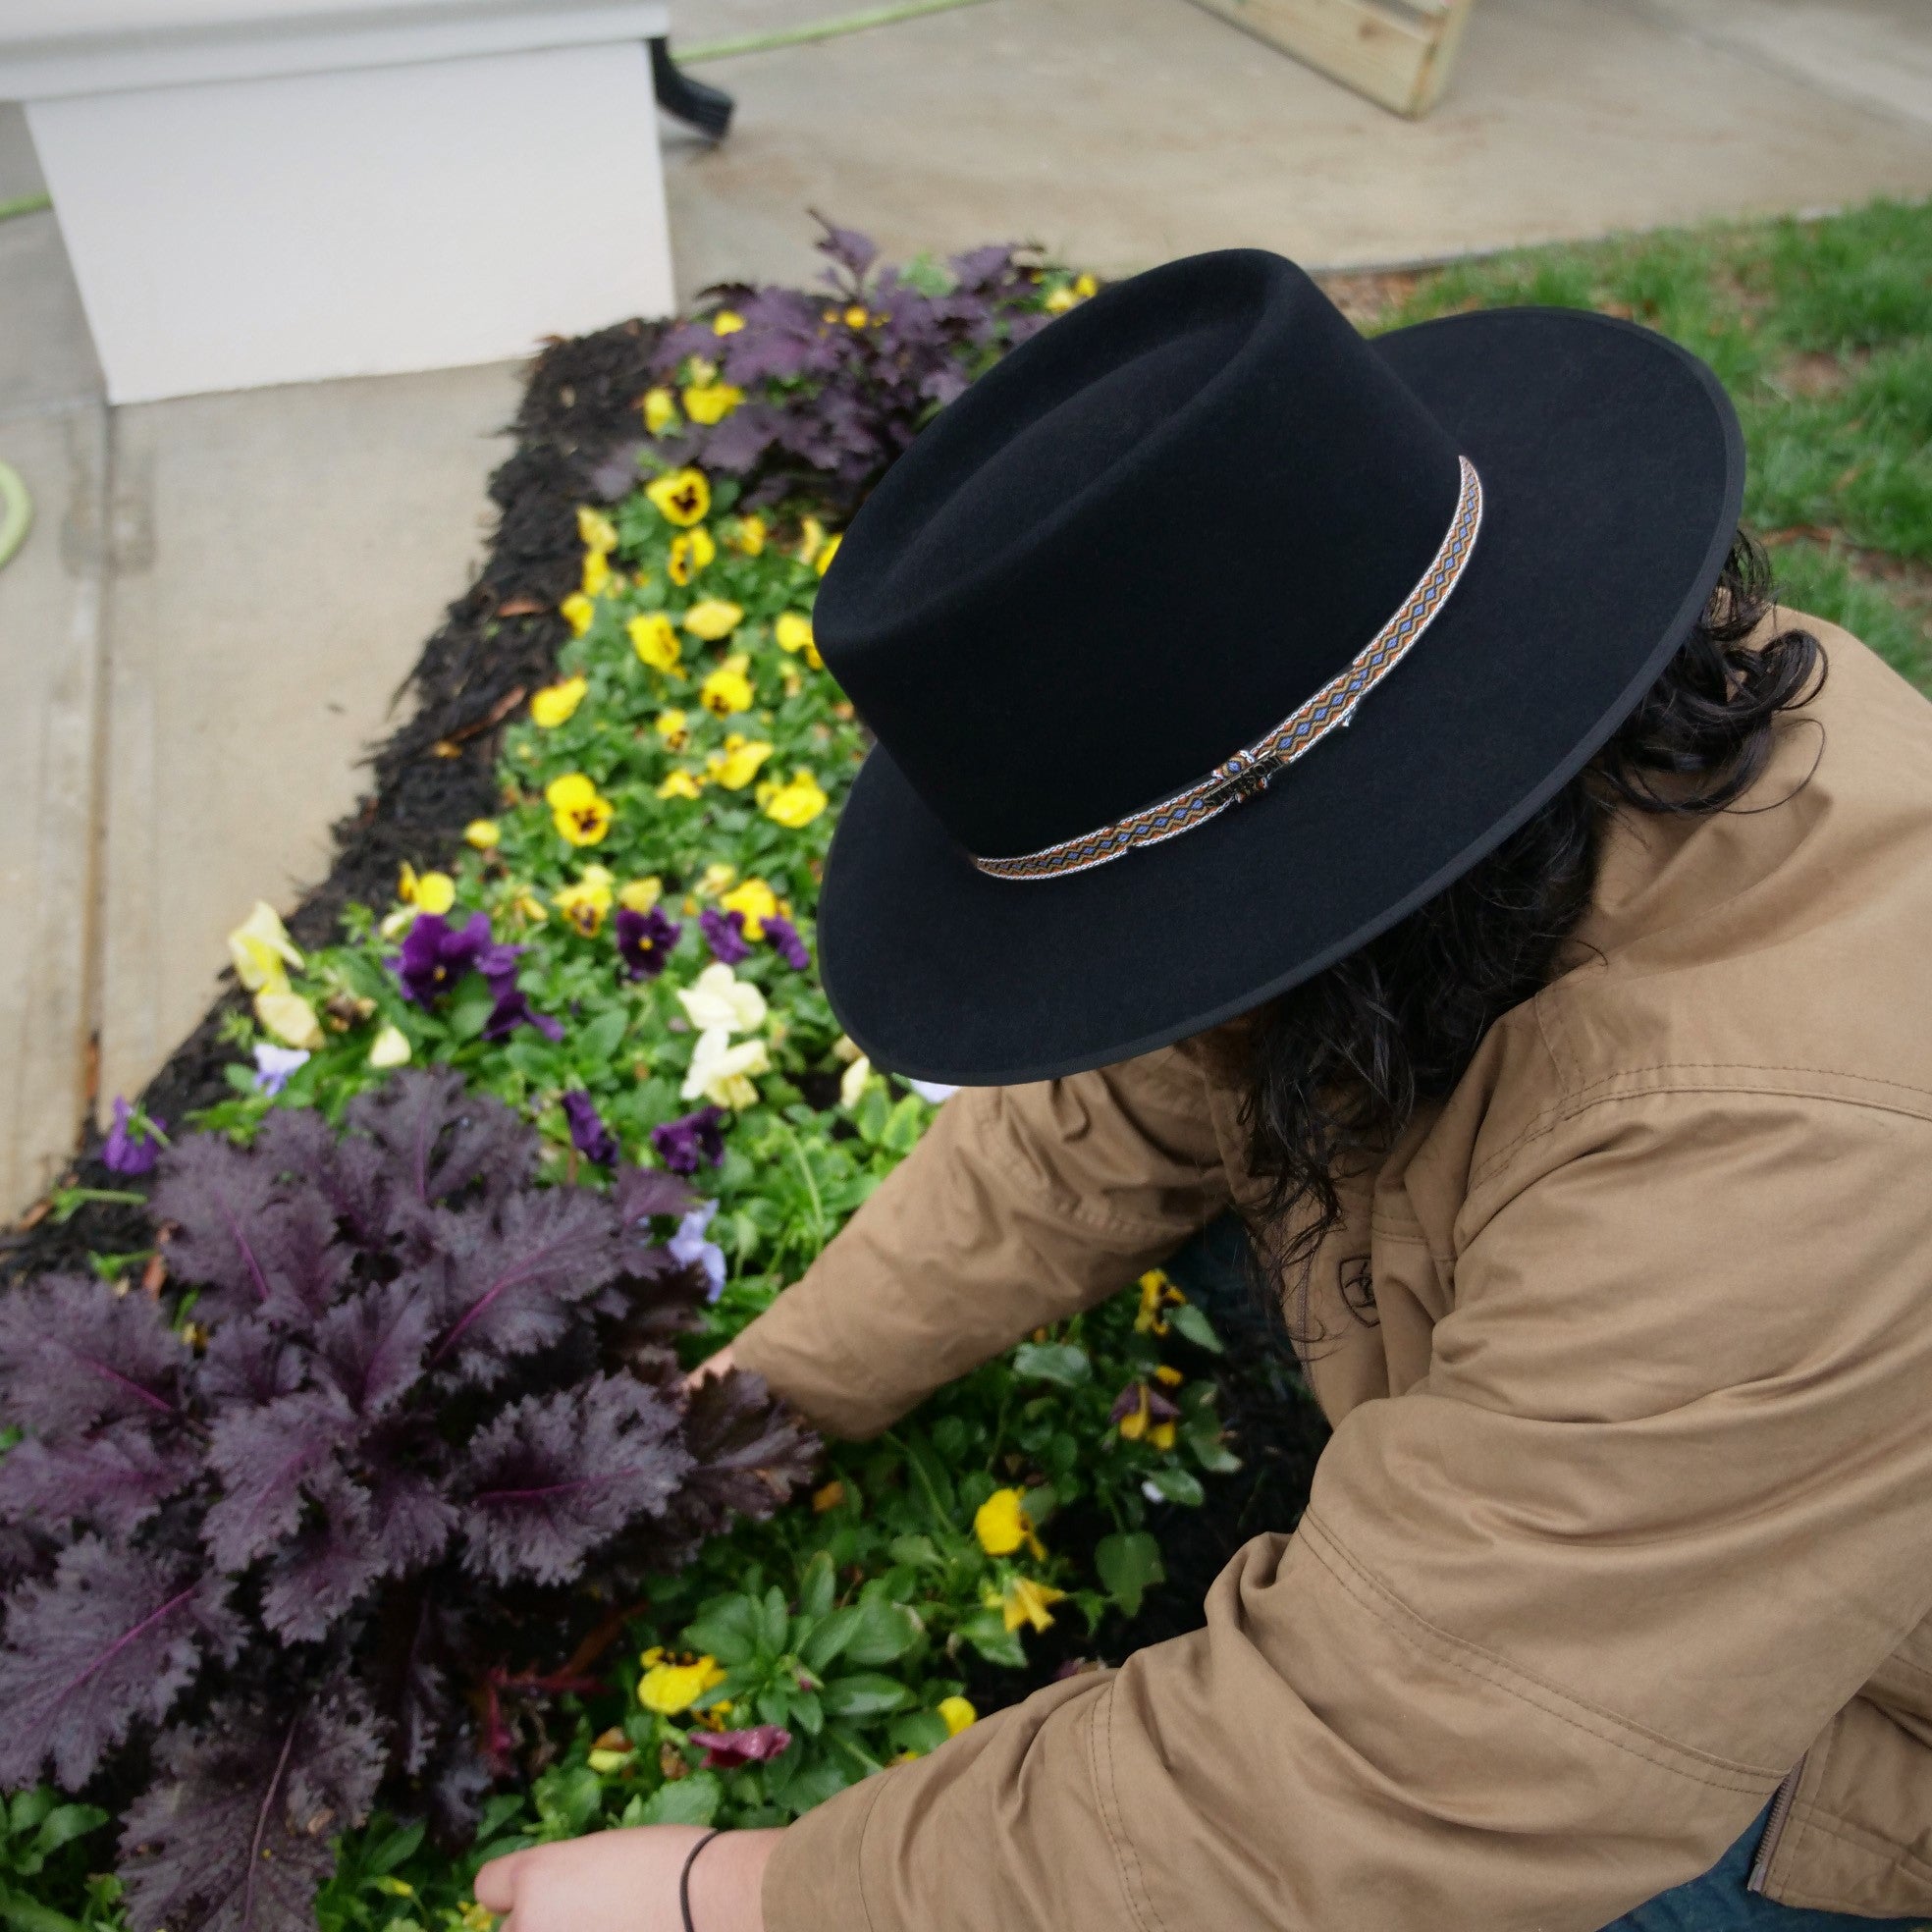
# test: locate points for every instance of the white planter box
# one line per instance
(260, 191)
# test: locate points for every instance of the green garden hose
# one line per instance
(825, 29)
(25, 205)
(15, 512)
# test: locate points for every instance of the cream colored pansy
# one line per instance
(261, 949)
(716, 878)
(852, 1082)
(718, 998)
(289, 1017)
(390, 1047)
(720, 1071)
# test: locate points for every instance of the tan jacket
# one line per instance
(1628, 1511)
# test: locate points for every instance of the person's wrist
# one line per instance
(727, 1882)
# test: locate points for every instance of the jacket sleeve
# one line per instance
(1019, 1206)
(1557, 1620)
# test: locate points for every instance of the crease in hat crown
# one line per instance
(1137, 550)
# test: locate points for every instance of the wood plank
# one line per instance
(1390, 54)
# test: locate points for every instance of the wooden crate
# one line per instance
(1398, 55)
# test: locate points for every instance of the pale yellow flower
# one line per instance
(797, 803)
(956, 1713)
(689, 553)
(750, 536)
(1002, 1525)
(683, 497)
(557, 704)
(716, 878)
(737, 764)
(595, 530)
(640, 894)
(811, 538)
(721, 1072)
(578, 611)
(718, 999)
(711, 402)
(713, 618)
(754, 902)
(596, 572)
(1025, 1602)
(483, 833)
(794, 631)
(682, 784)
(261, 949)
(655, 641)
(289, 1017)
(660, 411)
(390, 1047)
(852, 1082)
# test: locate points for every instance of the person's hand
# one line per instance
(626, 1881)
(713, 1365)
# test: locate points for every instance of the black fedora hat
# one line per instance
(1110, 617)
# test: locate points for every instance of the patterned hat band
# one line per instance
(1250, 769)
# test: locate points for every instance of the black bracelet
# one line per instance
(684, 1877)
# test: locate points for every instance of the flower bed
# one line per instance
(585, 889)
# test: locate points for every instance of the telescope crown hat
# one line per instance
(1202, 639)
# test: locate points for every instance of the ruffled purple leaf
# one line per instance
(326, 1568)
(219, 1199)
(845, 246)
(73, 1354)
(112, 1481)
(749, 1451)
(556, 1476)
(268, 1460)
(110, 1642)
(410, 1522)
(369, 1349)
(246, 1364)
(444, 1136)
(237, 1833)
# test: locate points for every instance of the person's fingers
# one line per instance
(713, 1365)
(496, 1883)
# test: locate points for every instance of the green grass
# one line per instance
(1822, 332)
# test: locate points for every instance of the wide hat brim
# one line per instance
(1612, 469)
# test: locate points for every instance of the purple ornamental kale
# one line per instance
(131, 1146)
(683, 1143)
(783, 937)
(724, 934)
(588, 1133)
(645, 940)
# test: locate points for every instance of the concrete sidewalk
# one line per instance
(221, 594)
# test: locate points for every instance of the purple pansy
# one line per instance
(688, 1247)
(512, 1008)
(731, 1750)
(724, 934)
(588, 1133)
(683, 1143)
(435, 956)
(274, 1064)
(133, 1146)
(645, 940)
(786, 942)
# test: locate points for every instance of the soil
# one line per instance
(436, 773)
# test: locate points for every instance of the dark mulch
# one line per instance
(435, 773)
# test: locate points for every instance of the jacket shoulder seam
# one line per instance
(1666, 1753)
(1575, 1104)
(1136, 1894)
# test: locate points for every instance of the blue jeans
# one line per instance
(1719, 1903)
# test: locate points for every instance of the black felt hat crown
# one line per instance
(1110, 615)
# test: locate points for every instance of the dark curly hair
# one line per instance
(1335, 1067)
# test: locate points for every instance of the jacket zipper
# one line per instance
(1774, 1828)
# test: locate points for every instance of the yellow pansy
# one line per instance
(674, 727)
(811, 539)
(956, 1713)
(713, 618)
(1002, 1525)
(1158, 1294)
(261, 949)
(640, 894)
(483, 833)
(682, 784)
(289, 1017)
(726, 322)
(429, 891)
(716, 878)
(595, 530)
(668, 1689)
(585, 904)
(596, 572)
(1138, 1424)
(797, 803)
(655, 640)
(727, 690)
(1169, 1377)
(1025, 1602)
(711, 402)
(475, 1917)
(823, 562)
(827, 1498)
(390, 1047)
(689, 553)
(1058, 302)
(794, 631)
(683, 497)
(754, 902)
(750, 536)
(578, 611)
(660, 411)
(737, 764)
(581, 813)
(557, 704)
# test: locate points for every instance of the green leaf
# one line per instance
(1062, 1363)
(727, 1631)
(905, 1125)
(885, 1632)
(1189, 1322)
(470, 1008)
(918, 1731)
(828, 1638)
(21, 1915)
(1127, 1563)
(819, 1587)
(693, 1800)
(985, 1630)
(807, 1712)
(598, 1042)
(774, 1621)
(866, 1695)
(919, 1551)
(1178, 1485)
